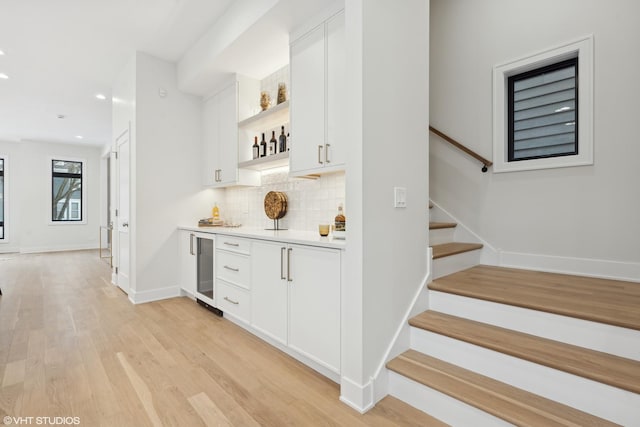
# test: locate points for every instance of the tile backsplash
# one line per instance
(310, 201)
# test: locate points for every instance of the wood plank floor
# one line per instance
(72, 345)
(606, 301)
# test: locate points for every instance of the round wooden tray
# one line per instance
(275, 204)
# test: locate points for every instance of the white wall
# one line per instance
(589, 212)
(29, 205)
(168, 188)
(386, 256)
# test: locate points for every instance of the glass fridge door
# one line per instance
(205, 267)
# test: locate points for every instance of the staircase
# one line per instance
(502, 346)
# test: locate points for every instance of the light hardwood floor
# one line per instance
(72, 345)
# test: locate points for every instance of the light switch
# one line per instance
(399, 197)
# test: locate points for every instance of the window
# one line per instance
(543, 112)
(2, 199)
(66, 186)
(543, 109)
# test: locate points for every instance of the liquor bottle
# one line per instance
(289, 142)
(341, 220)
(282, 144)
(273, 144)
(263, 146)
(256, 148)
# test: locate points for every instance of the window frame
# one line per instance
(83, 193)
(582, 49)
(5, 191)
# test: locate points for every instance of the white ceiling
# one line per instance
(60, 53)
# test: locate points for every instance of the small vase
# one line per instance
(282, 93)
(265, 100)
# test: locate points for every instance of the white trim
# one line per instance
(84, 161)
(141, 297)
(583, 49)
(605, 269)
(61, 248)
(358, 397)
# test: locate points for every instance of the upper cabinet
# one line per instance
(317, 99)
(220, 136)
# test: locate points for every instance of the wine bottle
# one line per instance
(273, 144)
(256, 148)
(283, 142)
(263, 146)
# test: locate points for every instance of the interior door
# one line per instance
(122, 223)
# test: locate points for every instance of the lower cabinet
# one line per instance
(296, 298)
(187, 259)
(233, 300)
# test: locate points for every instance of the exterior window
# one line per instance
(1, 199)
(543, 112)
(543, 109)
(66, 190)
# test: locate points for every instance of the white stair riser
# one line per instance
(445, 408)
(599, 399)
(441, 235)
(596, 336)
(454, 263)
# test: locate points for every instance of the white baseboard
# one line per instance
(358, 397)
(605, 269)
(141, 297)
(62, 248)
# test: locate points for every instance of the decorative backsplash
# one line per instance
(311, 201)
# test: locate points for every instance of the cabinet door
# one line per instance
(314, 304)
(269, 289)
(228, 136)
(210, 136)
(336, 87)
(307, 102)
(187, 260)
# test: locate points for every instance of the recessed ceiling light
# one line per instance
(79, 136)
(3, 76)
(1, 52)
(101, 97)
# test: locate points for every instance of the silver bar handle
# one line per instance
(289, 279)
(282, 276)
(320, 154)
(231, 301)
(231, 244)
(326, 153)
(231, 268)
(125, 224)
(191, 235)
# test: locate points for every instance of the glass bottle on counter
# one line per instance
(282, 143)
(273, 144)
(256, 148)
(341, 220)
(263, 146)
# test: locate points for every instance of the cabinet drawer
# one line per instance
(234, 301)
(233, 244)
(233, 268)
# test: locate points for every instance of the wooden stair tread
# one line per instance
(453, 248)
(441, 225)
(509, 403)
(602, 367)
(606, 301)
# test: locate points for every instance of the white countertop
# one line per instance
(310, 238)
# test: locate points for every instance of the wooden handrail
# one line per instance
(485, 163)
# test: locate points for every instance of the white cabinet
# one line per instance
(317, 99)
(187, 259)
(269, 290)
(220, 141)
(233, 277)
(296, 298)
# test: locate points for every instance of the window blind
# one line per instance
(543, 112)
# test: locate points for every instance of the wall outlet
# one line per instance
(399, 197)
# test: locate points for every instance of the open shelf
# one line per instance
(274, 116)
(267, 162)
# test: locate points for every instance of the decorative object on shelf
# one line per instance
(282, 142)
(273, 143)
(275, 206)
(263, 146)
(282, 92)
(256, 148)
(265, 100)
